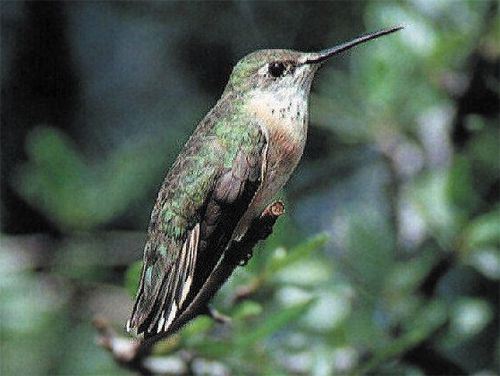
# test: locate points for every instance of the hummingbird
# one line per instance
(240, 155)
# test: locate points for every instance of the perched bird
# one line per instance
(239, 156)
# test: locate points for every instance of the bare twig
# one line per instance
(132, 353)
(124, 350)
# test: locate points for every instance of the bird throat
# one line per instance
(283, 113)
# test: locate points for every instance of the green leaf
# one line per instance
(486, 261)
(484, 231)
(76, 195)
(430, 195)
(213, 349)
(199, 325)
(297, 253)
(132, 277)
(272, 324)
(54, 177)
(469, 316)
(248, 308)
(460, 188)
(426, 322)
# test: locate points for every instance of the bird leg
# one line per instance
(241, 252)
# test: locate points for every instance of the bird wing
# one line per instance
(207, 191)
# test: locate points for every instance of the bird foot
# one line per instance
(244, 260)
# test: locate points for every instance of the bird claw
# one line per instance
(245, 259)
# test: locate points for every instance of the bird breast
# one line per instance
(284, 117)
(285, 125)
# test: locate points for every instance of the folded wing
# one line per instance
(190, 230)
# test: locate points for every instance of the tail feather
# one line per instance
(164, 289)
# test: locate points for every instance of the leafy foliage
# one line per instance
(390, 247)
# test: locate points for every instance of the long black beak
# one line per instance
(317, 57)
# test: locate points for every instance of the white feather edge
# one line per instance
(171, 316)
(191, 246)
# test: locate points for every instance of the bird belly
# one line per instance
(282, 158)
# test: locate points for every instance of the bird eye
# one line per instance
(276, 69)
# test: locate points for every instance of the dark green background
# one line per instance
(400, 179)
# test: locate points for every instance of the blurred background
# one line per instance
(387, 260)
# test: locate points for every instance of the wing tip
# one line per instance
(173, 293)
(131, 328)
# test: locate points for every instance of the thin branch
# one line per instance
(124, 350)
(132, 353)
